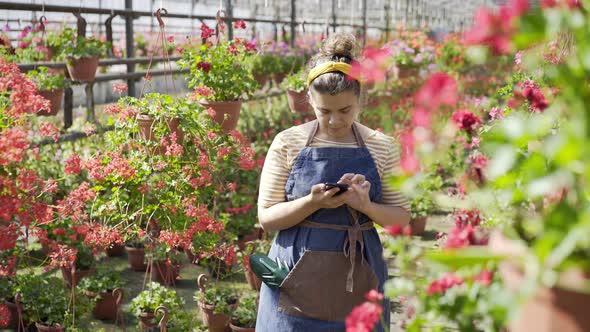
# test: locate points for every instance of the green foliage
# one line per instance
(295, 81)
(77, 47)
(222, 297)
(46, 79)
(245, 314)
(223, 68)
(104, 281)
(157, 295)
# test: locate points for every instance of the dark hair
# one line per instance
(340, 47)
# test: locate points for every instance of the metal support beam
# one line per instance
(293, 24)
(333, 15)
(129, 47)
(68, 107)
(229, 19)
(90, 102)
(364, 23)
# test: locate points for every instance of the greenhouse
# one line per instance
(282, 165)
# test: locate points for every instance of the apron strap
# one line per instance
(354, 235)
(316, 126)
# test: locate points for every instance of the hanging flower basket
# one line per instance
(145, 124)
(105, 307)
(298, 102)
(164, 272)
(418, 225)
(227, 113)
(55, 97)
(83, 69)
(135, 257)
(72, 280)
(241, 329)
(404, 72)
(53, 328)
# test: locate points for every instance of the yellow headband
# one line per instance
(328, 67)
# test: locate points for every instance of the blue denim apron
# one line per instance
(334, 256)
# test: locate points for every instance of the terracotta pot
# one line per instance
(13, 321)
(227, 113)
(548, 309)
(261, 79)
(105, 307)
(252, 279)
(215, 322)
(136, 257)
(53, 328)
(298, 102)
(418, 225)
(279, 77)
(241, 329)
(51, 51)
(78, 275)
(146, 133)
(115, 250)
(55, 97)
(190, 256)
(83, 69)
(164, 273)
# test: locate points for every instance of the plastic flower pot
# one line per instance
(135, 257)
(215, 322)
(147, 321)
(106, 307)
(55, 97)
(279, 77)
(261, 79)
(227, 113)
(83, 69)
(73, 279)
(252, 279)
(298, 102)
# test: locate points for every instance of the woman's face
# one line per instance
(335, 113)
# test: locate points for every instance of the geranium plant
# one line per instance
(78, 47)
(222, 297)
(47, 79)
(245, 314)
(222, 68)
(295, 81)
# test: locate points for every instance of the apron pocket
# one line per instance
(316, 286)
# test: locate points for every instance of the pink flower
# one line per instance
(206, 32)
(496, 113)
(465, 120)
(170, 39)
(363, 317)
(397, 230)
(460, 237)
(441, 285)
(73, 164)
(518, 57)
(373, 66)
(374, 296)
(440, 89)
(49, 129)
(119, 87)
(201, 91)
(211, 112)
(485, 277)
(239, 24)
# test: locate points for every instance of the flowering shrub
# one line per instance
(222, 68)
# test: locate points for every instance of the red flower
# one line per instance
(211, 112)
(5, 315)
(467, 217)
(119, 87)
(466, 120)
(439, 89)
(460, 237)
(532, 93)
(239, 24)
(73, 164)
(363, 317)
(206, 31)
(485, 277)
(441, 285)
(397, 230)
(8, 236)
(204, 66)
(49, 129)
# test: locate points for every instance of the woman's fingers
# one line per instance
(358, 179)
(346, 178)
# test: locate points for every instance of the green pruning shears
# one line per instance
(270, 272)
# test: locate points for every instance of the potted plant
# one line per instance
(135, 241)
(50, 84)
(83, 266)
(262, 66)
(164, 263)
(220, 76)
(146, 303)
(243, 319)
(45, 302)
(294, 84)
(216, 304)
(82, 55)
(104, 290)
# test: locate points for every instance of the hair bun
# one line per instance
(338, 46)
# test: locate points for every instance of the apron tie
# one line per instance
(354, 235)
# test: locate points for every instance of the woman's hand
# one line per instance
(357, 196)
(325, 198)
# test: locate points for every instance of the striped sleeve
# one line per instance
(386, 151)
(275, 173)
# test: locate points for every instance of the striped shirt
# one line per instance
(287, 144)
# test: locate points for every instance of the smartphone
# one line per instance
(342, 186)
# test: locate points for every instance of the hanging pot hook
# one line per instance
(42, 22)
(159, 17)
(303, 26)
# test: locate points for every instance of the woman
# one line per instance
(328, 240)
